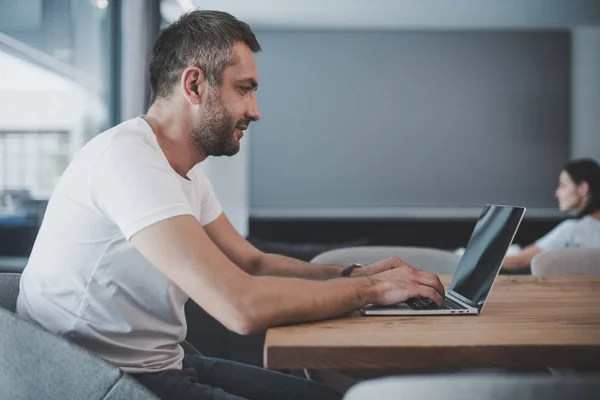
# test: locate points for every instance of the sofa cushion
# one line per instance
(37, 364)
(9, 290)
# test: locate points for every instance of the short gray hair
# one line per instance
(198, 38)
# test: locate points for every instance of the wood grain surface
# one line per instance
(528, 322)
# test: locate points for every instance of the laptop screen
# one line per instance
(481, 262)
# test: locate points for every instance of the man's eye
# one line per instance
(245, 89)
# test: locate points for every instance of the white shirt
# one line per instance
(572, 233)
(84, 280)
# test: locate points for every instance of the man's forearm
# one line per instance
(276, 301)
(277, 265)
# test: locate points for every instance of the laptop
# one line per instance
(476, 272)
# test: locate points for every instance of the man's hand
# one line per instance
(379, 266)
(400, 282)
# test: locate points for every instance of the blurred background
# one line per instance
(384, 122)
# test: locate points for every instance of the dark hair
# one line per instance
(587, 170)
(198, 38)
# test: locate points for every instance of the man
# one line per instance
(133, 230)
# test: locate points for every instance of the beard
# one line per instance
(214, 134)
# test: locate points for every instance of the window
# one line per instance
(57, 59)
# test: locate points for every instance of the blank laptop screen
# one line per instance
(485, 252)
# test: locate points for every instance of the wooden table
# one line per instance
(528, 322)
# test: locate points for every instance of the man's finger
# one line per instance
(397, 262)
(431, 280)
(430, 293)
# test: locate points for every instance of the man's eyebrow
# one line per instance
(250, 81)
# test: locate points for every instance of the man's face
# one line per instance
(229, 108)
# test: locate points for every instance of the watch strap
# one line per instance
(348, 270)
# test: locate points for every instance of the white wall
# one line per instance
(400, 14)
(586, 93)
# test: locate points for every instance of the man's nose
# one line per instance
(253, 112)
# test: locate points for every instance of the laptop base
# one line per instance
(404, 309)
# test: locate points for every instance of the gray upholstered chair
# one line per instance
(476, 387)
(37, 364)
(437, 261)
(567, 262)
(431, 260)
(9, 290)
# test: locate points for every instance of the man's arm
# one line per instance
(278, 265)
(257, 263)
(181, 249)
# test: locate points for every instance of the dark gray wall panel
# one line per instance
(410, 119)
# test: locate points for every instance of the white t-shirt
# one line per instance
(84, 280)
(572, 233)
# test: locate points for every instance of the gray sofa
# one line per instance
(36, 364)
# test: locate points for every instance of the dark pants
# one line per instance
(211, 378)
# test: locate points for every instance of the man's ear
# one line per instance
(583, 188)
(193, 85)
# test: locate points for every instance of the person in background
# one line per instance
(578, 191)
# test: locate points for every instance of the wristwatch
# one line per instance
(348, 270)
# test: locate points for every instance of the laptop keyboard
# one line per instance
(423, 303)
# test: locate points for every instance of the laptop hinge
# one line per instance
(461, 299)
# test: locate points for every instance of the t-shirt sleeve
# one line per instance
(557, 238)
(211, 207)
(135, 188)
